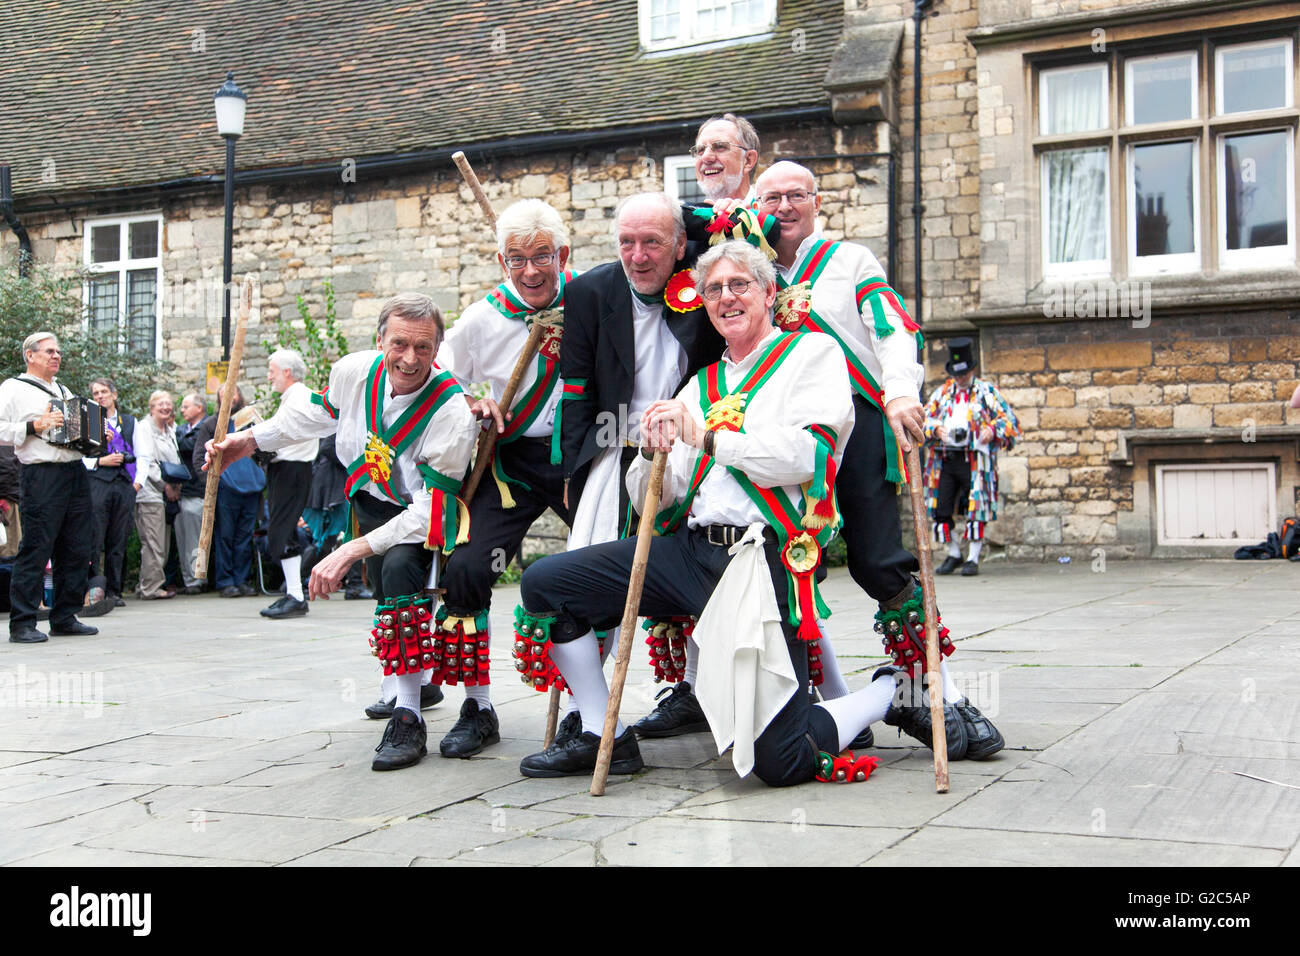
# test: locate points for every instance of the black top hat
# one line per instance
(961, 356)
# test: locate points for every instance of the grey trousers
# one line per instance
(188, 525)
(151, 525)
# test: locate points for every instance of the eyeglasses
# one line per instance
(738, 287)
(541, 260)
(797, 197)
(699, 149)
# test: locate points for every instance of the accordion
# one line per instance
(83, 426)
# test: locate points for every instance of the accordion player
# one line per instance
(83, 426)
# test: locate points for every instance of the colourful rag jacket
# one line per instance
(986, 407)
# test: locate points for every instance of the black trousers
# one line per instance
(288, 484)
(112, 515)
(497, 532)
(56, 514)
(403, 569)
(953, 497)
(878, 562)
(587, 589)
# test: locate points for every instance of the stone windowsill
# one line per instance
(1128, 438)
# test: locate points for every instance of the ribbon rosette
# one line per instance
(680, 294)
(793, 303)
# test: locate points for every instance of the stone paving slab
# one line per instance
(250, 747)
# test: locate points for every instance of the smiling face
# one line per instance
(409, 347)
(646, 244)
(798, 220)
(723, 173)
(161, 410)
(104, 397)
(740, 319)
(44, 359)
(537, 285)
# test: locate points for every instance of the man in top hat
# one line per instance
(966, 421)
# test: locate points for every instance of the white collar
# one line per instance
(743, 365)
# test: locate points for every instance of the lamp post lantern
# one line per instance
(230, 102)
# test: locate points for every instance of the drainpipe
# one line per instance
(7, 213)
(919, 10)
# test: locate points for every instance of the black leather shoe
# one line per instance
(73, 629)
(982, 738)
(679, 714)
(569, 728)
(950, 564)
(247, 590)
(577, 757)
(29, 636)
(474, 730)
(403, 743)
(118, 601)
(915, 721)
(287, 606)
(863, 741)
(430, 694)
(970, 569)
(358, 594)
(231, 591)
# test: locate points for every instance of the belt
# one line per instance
(722, 535)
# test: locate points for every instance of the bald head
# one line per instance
(789, 192)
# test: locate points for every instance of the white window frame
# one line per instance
(1194, 110)
(1173, 262)
(1270, 522)
(1232, 47)
(124, 265)
(1261, 257)
(672, 164)
(686, 36)
(1089, 267)
(1045, 104)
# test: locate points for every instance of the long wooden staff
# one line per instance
(223, 418)
(640, 558)
(939, 738)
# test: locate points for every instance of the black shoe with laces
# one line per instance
(950, 564)
(73, 628)
(983, 739)
(475, 729)
(430, 694)
(569, 728)
(403, 743)
(679, 714)
(286, 606)
(970, 569)
(577, 757)
(915, 722)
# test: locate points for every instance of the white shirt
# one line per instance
(299, 396)
(151, 447)
(483, 346)
(890, 360)
(811, 387)
(446, 444)
(21, 402)
(660, 362)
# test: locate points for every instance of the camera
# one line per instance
(958, 436)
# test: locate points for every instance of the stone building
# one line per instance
(1147, 342)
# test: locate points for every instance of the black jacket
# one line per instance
(185, 440)
(599, 346)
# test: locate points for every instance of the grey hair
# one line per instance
(158, 396)
(30, 343)
(415, 306)
(529, 221)
(748, 135)
(670, 207)
(741, 254)
(287, 360)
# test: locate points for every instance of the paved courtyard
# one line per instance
(1150, 710)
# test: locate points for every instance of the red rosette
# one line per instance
(680, 294)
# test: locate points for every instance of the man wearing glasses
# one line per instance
(726, 156)
(55, 498)
(839, 288)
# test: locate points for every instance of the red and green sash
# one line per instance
(801, 536)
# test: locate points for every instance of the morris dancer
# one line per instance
(967, 420)
(774, 414)
(483, 346)
(405, 435)
(839, 288)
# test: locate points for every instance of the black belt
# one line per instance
(722, 535)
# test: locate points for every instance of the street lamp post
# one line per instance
(230, 102)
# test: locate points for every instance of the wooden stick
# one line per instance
(939, 739)
(627, 631)
(552, 718)
(223, 419)
(467, 171)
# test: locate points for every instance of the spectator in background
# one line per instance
(238, 496)
(155, 442)
(112, 492)
(9, 502)
(189, 523)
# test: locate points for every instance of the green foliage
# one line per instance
(321, 344)
(46, 300)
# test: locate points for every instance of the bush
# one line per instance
(319, 344)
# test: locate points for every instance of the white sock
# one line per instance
(854, 712)
(292, 568)
(975, 547)
(954, 548)
(408, 691)
(426, 677)
(579, 662)
(950, 692)
(480, 693)
(571, 702)
(692, 662)
(388, 687)
(832, 686)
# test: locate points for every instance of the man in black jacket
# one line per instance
(112, 491)
(189, 522)
(232, 531)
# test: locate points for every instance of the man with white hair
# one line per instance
(55, 497)
(726, 157)
(288, 482)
